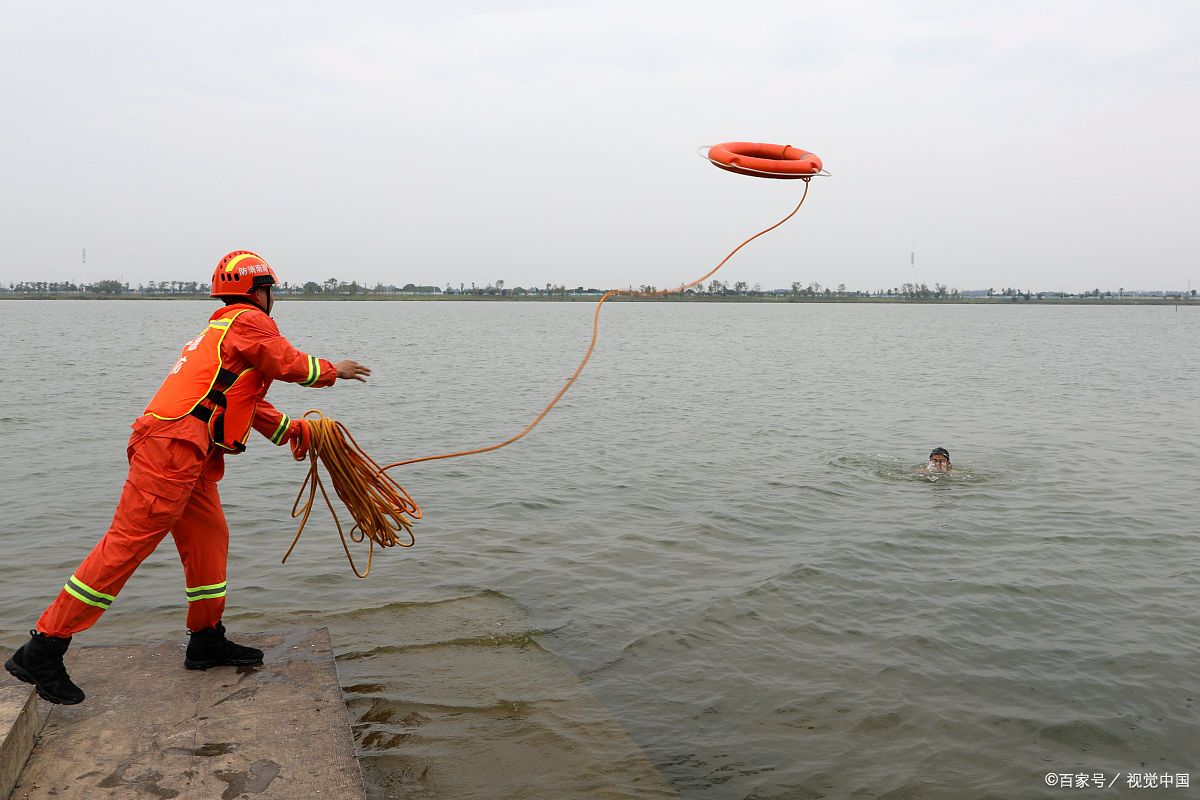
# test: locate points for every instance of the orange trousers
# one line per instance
(171, 487)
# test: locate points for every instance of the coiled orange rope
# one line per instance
(383, 512)
(380, 506)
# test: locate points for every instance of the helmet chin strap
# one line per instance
(253, 295)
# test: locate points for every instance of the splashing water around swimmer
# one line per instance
(894, 469)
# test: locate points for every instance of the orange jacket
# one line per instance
(223, 375)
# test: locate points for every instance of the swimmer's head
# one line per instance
(939, 458)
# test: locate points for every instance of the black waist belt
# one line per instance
(204, 414)
(216, 396)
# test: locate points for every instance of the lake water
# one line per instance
(718, 528)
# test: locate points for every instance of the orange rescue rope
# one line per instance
(381, 508)
(383, 512)
(592, 344)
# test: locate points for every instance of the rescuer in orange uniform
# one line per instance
(208, 404)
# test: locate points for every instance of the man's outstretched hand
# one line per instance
(352, 369)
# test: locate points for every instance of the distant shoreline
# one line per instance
(697, 298)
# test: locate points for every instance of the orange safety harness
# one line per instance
(200, 385)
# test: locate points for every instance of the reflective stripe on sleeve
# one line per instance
(281, 432)
(86, 594)
(314, 371)
(205, 592)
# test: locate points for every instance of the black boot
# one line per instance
(40, 662)
(210, 648)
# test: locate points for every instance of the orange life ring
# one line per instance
(765, 160)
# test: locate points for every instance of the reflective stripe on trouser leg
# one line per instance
(86, 594)
(202, 539)
(195, 593)
(141, 520)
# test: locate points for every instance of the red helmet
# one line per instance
(240, 272)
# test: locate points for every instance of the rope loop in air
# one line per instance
(382, 510)
(592, 344)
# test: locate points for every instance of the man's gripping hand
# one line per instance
(298, 437)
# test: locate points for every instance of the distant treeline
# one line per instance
(335, 288)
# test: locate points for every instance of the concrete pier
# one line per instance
(460, 702)
(151, 729)
(19, 723)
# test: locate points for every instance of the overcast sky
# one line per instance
(1044, 145)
